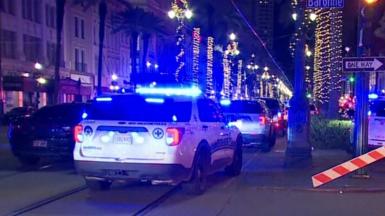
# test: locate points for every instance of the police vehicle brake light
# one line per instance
(174, 136)
(78, 133)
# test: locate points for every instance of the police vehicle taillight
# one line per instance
(262, 119)
(78, 133)
(174, 136)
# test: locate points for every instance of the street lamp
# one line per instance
(233, 36)
(180, 10)
(114, 77)
(38, 66)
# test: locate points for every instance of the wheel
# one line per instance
(234, 169)
(198, 182)
(272, 139)
(97, 185)
(29, 160)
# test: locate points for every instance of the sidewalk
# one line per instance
(269, 172)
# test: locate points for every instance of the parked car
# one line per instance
(254, 121)
(277, 110)
(17, 112)
(165, 139)
(48, 133)
(376, 130)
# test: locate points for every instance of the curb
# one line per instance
(325, 190)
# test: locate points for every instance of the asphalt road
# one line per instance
(55, 189)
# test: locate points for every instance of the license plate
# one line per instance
(122, 139)
(40, 143)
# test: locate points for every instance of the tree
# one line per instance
(133, 22)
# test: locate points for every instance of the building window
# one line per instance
(8, 44)
(76, 23)
(79, 27)
(32, 48)
(82, 28)
(80, 65)
(51, 55)
(31, 10)
(7, 6)
(50, 16)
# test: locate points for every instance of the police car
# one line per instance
(376, 130)
(158, 135)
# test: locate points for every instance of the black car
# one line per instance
(17, 112)
(48, 133)
(276, 109)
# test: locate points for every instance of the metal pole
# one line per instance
(361, 90)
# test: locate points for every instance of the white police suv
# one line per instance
(160, 135)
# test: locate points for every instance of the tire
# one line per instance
(272, 139)
(29, 160)
(235, 168)
(198, 182)
(98, 185)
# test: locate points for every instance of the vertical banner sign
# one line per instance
(239, 79)
(209, 73)
(196, 43)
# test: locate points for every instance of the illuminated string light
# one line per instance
(328, 54)
(239, 80)
(226, 76)
(196, 44)
(178, 10)
(209, 74)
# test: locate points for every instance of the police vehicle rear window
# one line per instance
(243, 107)
(378, 107)
(138, 108)
(63, 113)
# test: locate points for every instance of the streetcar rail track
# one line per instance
(151, 206)
(47, 201)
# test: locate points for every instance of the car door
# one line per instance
(213, 130)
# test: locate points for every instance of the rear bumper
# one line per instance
(54, 150)
(253, 138)
(139, 171)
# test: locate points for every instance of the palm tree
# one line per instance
(133, 22)
(60, 4)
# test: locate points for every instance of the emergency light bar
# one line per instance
(193, 91)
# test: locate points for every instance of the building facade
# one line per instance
(28, 44)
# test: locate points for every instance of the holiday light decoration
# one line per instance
(239, 80)
(328, 54)
(209, 73)
(196, 44)
(180, 10)
(226, 76)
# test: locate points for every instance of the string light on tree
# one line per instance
(180, 10)
(239, 80)
(196, 45)
(209, 74)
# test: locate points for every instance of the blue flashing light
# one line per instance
(225, 102)
(193, 92)
(84, 115)
(174, 118)
(373, 96)
(154, 100)
(104, 99)
(369, 113)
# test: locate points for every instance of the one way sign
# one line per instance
(366, 64)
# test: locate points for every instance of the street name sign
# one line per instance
(325, 3)
(366, 64)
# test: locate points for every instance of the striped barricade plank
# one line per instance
(348, 167)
